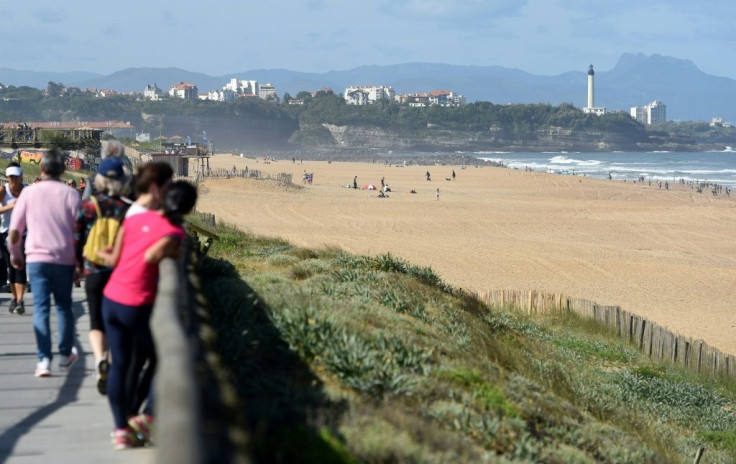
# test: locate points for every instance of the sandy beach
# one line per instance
(669, 256)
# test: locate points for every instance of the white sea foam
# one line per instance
(566, 160)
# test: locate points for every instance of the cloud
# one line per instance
(49, 16)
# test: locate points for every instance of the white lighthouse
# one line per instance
(591, 108)
(591, 75)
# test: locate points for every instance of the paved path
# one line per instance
(61, 419)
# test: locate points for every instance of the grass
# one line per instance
(371, 359)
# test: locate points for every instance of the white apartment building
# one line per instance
(653, 113)
(267, 92)
(224, 95)
(365, 95)
(152, 92)
(435, 97)
(184, 90)
(242, 86)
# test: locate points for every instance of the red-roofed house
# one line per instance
(184, 90)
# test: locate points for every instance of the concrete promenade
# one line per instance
(61, 419)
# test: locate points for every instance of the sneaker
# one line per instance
(65, 362)
(11, 308)
(142, 425)
(20, 308)
(43, 368)
(123, 439)
(102, 367)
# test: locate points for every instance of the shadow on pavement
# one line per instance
(67, 393)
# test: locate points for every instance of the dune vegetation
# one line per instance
(344, 358)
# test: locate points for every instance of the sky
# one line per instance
(544, 37)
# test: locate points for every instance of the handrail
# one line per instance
(197, 411)
(178, 425)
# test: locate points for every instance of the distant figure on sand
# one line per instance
(438, 193)
(453, 174)
(355, 182)
(428, 177)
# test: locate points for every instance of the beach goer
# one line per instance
(110, 184)
(142, 242)
(16, 277)
(48, 210)
(437, 193)
(355, 182)
(453, 174)
(428, 176)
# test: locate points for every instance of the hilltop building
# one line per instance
(242, 87)
(184, 90)
(152, 92)
(435, 97)
(224, 95)
(267, 92)
(366, 95)
(653, 113)
(591, 108)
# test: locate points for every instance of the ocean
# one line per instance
(717, 167)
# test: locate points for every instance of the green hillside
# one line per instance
(343, 358)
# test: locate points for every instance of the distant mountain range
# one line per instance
(689, 93)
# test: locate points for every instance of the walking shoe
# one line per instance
(20, 308)
(65, 362)
(142, 425)
(123, 438)
(43, 368)
(102, 367)
(11, 308)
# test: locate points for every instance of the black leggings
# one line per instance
(125, 326)
(94, 285)
(15, 276)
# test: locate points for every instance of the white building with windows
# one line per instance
(653, 113)
(365, 95)
(267, 92)
(184, 90)
(242, 86)
(224, 95)
(152, 92)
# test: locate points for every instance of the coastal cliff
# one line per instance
(432, 139)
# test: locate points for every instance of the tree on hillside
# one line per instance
(54, 89)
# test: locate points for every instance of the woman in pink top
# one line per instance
(142, 242)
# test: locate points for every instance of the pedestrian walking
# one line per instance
(438, 193)
(16, 277)
(48, 210)
(99, 217)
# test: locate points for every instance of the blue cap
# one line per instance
(111, 168)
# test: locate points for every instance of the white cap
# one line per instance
(14, 171)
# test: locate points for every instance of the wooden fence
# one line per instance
(651, 338)
(282, 177)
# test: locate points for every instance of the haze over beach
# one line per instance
(666, 255)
